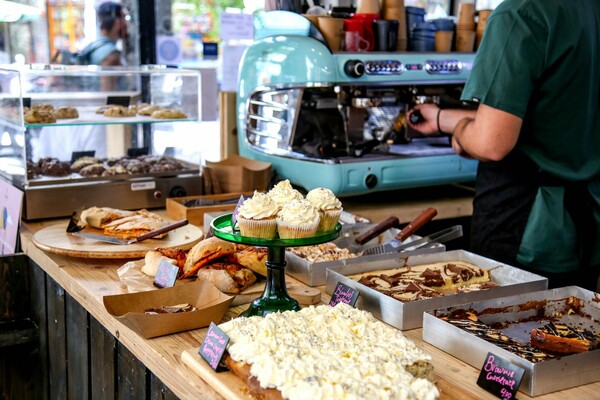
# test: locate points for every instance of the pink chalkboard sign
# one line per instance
(344, 294)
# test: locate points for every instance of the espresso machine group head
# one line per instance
(338, 120)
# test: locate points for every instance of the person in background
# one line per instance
(112, 26)
(536, 133)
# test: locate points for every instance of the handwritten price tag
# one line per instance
(500, 377)
(166, 274)
(343, 294)
(213, 346)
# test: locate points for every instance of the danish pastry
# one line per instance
(65, 112)
(39, 117)
(168, 113)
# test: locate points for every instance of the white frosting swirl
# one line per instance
(323, 199)
(299, 212)
(259, 206)
(328, 352)
(283, 193)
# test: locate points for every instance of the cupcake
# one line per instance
(257, 216)
(328, 205)
(283, 193)
(297, 219)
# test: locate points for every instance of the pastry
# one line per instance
(178, 308)
(98, 217)
(283, 193)
(257, 216)
(561, 339)
(43, 107)
(251, 257)
(152, 261)
(322, 252)
(419, 282)
(65, 112)
(297, 219)
(114, 170)
(147, 109)
(135, 225)
(84, 162)
(168, 113)
(119, 111)
(33, 170)
(101, 109)
(327, 352)
(39, 117)
(330, 208)
(54, 167)
(92, 170)
(228, 277)
(137, 167)
(204, 252)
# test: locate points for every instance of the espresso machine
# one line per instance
(338, 119)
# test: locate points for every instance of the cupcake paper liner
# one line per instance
(293, 231)
(329, 219)
(258, 228)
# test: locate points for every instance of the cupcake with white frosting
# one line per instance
(297, 219)
(329, 206)
(283, 193)
(257, 216)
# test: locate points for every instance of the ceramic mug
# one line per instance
(353, 41)
(367, 24)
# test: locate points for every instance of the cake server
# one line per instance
(148, 235)
(396, 246)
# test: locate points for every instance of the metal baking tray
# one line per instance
(409, 315)
(541, 377)
(314, 273)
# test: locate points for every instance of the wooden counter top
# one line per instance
(88, 280)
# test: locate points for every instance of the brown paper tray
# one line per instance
(210, 303)
(176, 210)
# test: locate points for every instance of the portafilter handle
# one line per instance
(416, 117)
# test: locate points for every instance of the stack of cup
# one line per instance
(423, 38)
(444, 34)
(394, 10)
(333, 31)
(481, 21)
(465, 28)
(368, 7)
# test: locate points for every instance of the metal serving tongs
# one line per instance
(396, 246)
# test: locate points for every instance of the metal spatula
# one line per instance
(396, 246)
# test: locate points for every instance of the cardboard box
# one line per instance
(239, 174)
(210, 305)
(178, 208)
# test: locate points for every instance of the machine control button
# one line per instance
(383, 67)
(157, 194)
(177, 191)
(354, 68)
(442, 67)
(371, 181)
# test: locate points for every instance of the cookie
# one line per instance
(168, 113)
(65, 112)
(39, 117)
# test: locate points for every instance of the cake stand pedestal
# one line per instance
(275, 296)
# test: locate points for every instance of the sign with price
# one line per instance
(500, 377)
(213, 346)
(344, 294)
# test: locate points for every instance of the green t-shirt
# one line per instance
(540, 60)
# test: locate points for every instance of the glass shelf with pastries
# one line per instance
(95, 126)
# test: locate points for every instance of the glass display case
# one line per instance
(74, 136)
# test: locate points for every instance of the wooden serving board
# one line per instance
(305, 295)
(55, 239)
(232, 387)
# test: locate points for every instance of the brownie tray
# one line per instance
(520, 317)
(314, 273)
(409, 315)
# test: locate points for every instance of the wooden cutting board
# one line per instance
(55, 239)
(232, 387)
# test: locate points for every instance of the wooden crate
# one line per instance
(176, 210)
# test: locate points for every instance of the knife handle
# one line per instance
(164, 229)
(426, 216)
(383, 226)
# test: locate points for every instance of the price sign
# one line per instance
(166, 274)
(235, 212)
(500, 377)
(118, 101)
(344, 294)
(213, 346)
(78, 154)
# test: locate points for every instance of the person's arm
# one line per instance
(112, 59)
(487, 134)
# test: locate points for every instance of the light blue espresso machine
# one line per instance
(338, 120)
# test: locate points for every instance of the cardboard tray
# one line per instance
(409, 315)
(176, 210)
(210, 304)
(314, 273)
(542, 377)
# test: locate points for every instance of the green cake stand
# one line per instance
(275, 296)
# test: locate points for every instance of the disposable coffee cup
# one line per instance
(333, 31)
(443, 41)
(465, 41)
(368, 7)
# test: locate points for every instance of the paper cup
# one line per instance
(443, 41)
(368, 7)
(333, 31)
(465, 41)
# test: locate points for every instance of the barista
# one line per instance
(536, 133)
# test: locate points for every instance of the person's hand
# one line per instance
(427, 125)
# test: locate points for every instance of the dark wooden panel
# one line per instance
(55, 299)
(132, 376)
(14, 288)
(77, 350)
(39, 316)
(102, 362)
(158, 390)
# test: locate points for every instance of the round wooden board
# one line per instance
(55, 239)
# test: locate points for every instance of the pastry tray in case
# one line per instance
(314, 273)
(520, 313)
(409, 315)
